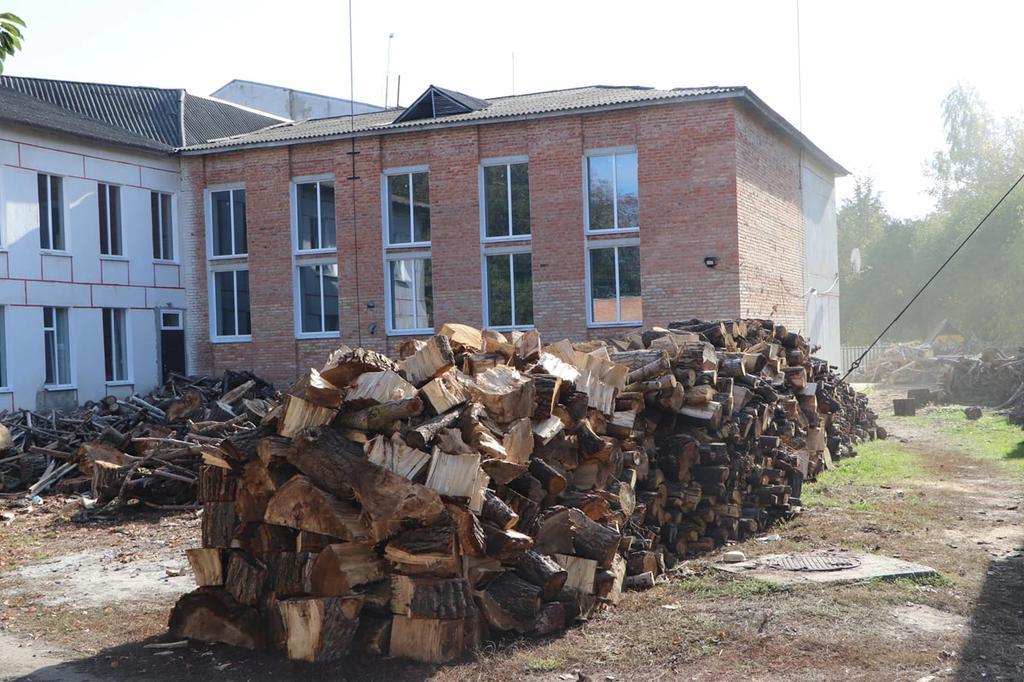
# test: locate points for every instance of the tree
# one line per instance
(10, 36)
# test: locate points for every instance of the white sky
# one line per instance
(874, 73)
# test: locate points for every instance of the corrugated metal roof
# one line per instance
(22, 109)
(533, 105)
(166, 115)
(499, 108)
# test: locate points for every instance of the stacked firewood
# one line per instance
(488, 484)
(120, 452)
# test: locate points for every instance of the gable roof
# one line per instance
(21, 109)
(436, 102)
(168, 116)
(503, 109)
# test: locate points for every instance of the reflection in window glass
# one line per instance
(421, 207)
(318, 298)
(613, 192)
(615, 285)
(496, 200)
(408, 208)
(228, 218)
(411, 301)
(315, 215)
(509, 290)
(231, 303)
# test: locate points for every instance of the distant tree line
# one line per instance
(883, 260)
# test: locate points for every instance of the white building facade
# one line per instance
(89, 269)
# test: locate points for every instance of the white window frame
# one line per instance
(104, 195)
(71, 355)
(211, 287)
(608, 244)
(506, 161)
(385, 204)
(65, 231)
(208, 209)
(402, 255)
(297, 298)
(181, 319)
(503, 251)
(175, 247)
(607, 151)
(5, 369)
(128, 374)
(293, 190)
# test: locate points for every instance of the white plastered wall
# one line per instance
(821, 259)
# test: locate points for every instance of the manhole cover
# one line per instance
(811, 562)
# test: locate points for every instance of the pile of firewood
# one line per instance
(123, 452)
(489, 484)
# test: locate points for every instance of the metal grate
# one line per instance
(810, 562)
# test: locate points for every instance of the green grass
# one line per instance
(714, 586)
(543, 665)
(990, 438)
(851, 482)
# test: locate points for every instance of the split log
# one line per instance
(344, 365)
(580, 572)
(432, 360)
(394, 455)
(207, 566)
(432, 640)
(336, 465)
(342, 566)
(509, 603)
(504, 392)
(426, 597)
(374, 388)
(571, 531)
(542, 571)
(211, 615)
(319, 628)
(444, 393)
(300, 504)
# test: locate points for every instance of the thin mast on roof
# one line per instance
(387, 71)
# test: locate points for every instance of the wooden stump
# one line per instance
(904, 407)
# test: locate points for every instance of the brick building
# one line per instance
(582, 212)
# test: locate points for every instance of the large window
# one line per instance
(231, 304)
(506, 200)
(408, 208)
(3, 347)
(411, 295)
(115, 344)
(318, 298)
(314, 205)
(163, 228)
(612, 201)
(509, 289)
(228, 232)
(51, 212)
(57, 346)
(614, 285)
(110, 219)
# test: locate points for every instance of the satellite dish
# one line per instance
(855, 260)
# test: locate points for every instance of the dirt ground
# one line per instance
(83, 601)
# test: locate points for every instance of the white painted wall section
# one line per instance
(821, 260)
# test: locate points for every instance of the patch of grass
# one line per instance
(714, 586)
(866, 389)
(990, 438)
(543, 665)
(852, 482)
(937, 580)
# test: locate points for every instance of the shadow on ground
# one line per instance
(200, 661)
(995, 644)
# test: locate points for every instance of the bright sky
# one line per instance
(874, 72)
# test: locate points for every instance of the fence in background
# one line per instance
(851, 353)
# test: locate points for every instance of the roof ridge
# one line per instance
(96, 83)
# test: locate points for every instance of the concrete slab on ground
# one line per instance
(826, 567)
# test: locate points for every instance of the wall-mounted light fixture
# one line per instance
(710, 261)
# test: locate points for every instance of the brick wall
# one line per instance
(712, 181)
(769, 223)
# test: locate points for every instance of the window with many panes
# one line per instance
(110, 219)
(51, 211)
(228, 283)
(57, 346)
(231, 304)
(508, 285)
(408, 208)
(612, 201)
(163, 227)
(3, 346)
(318, 298)
(411, 294)
(613, 276)
(314, 219)
(506, 200)
(115, 344)
(228, 232)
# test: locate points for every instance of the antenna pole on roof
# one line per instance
(398, 93)
(799, 74)
(354, 176)
(387, 71)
